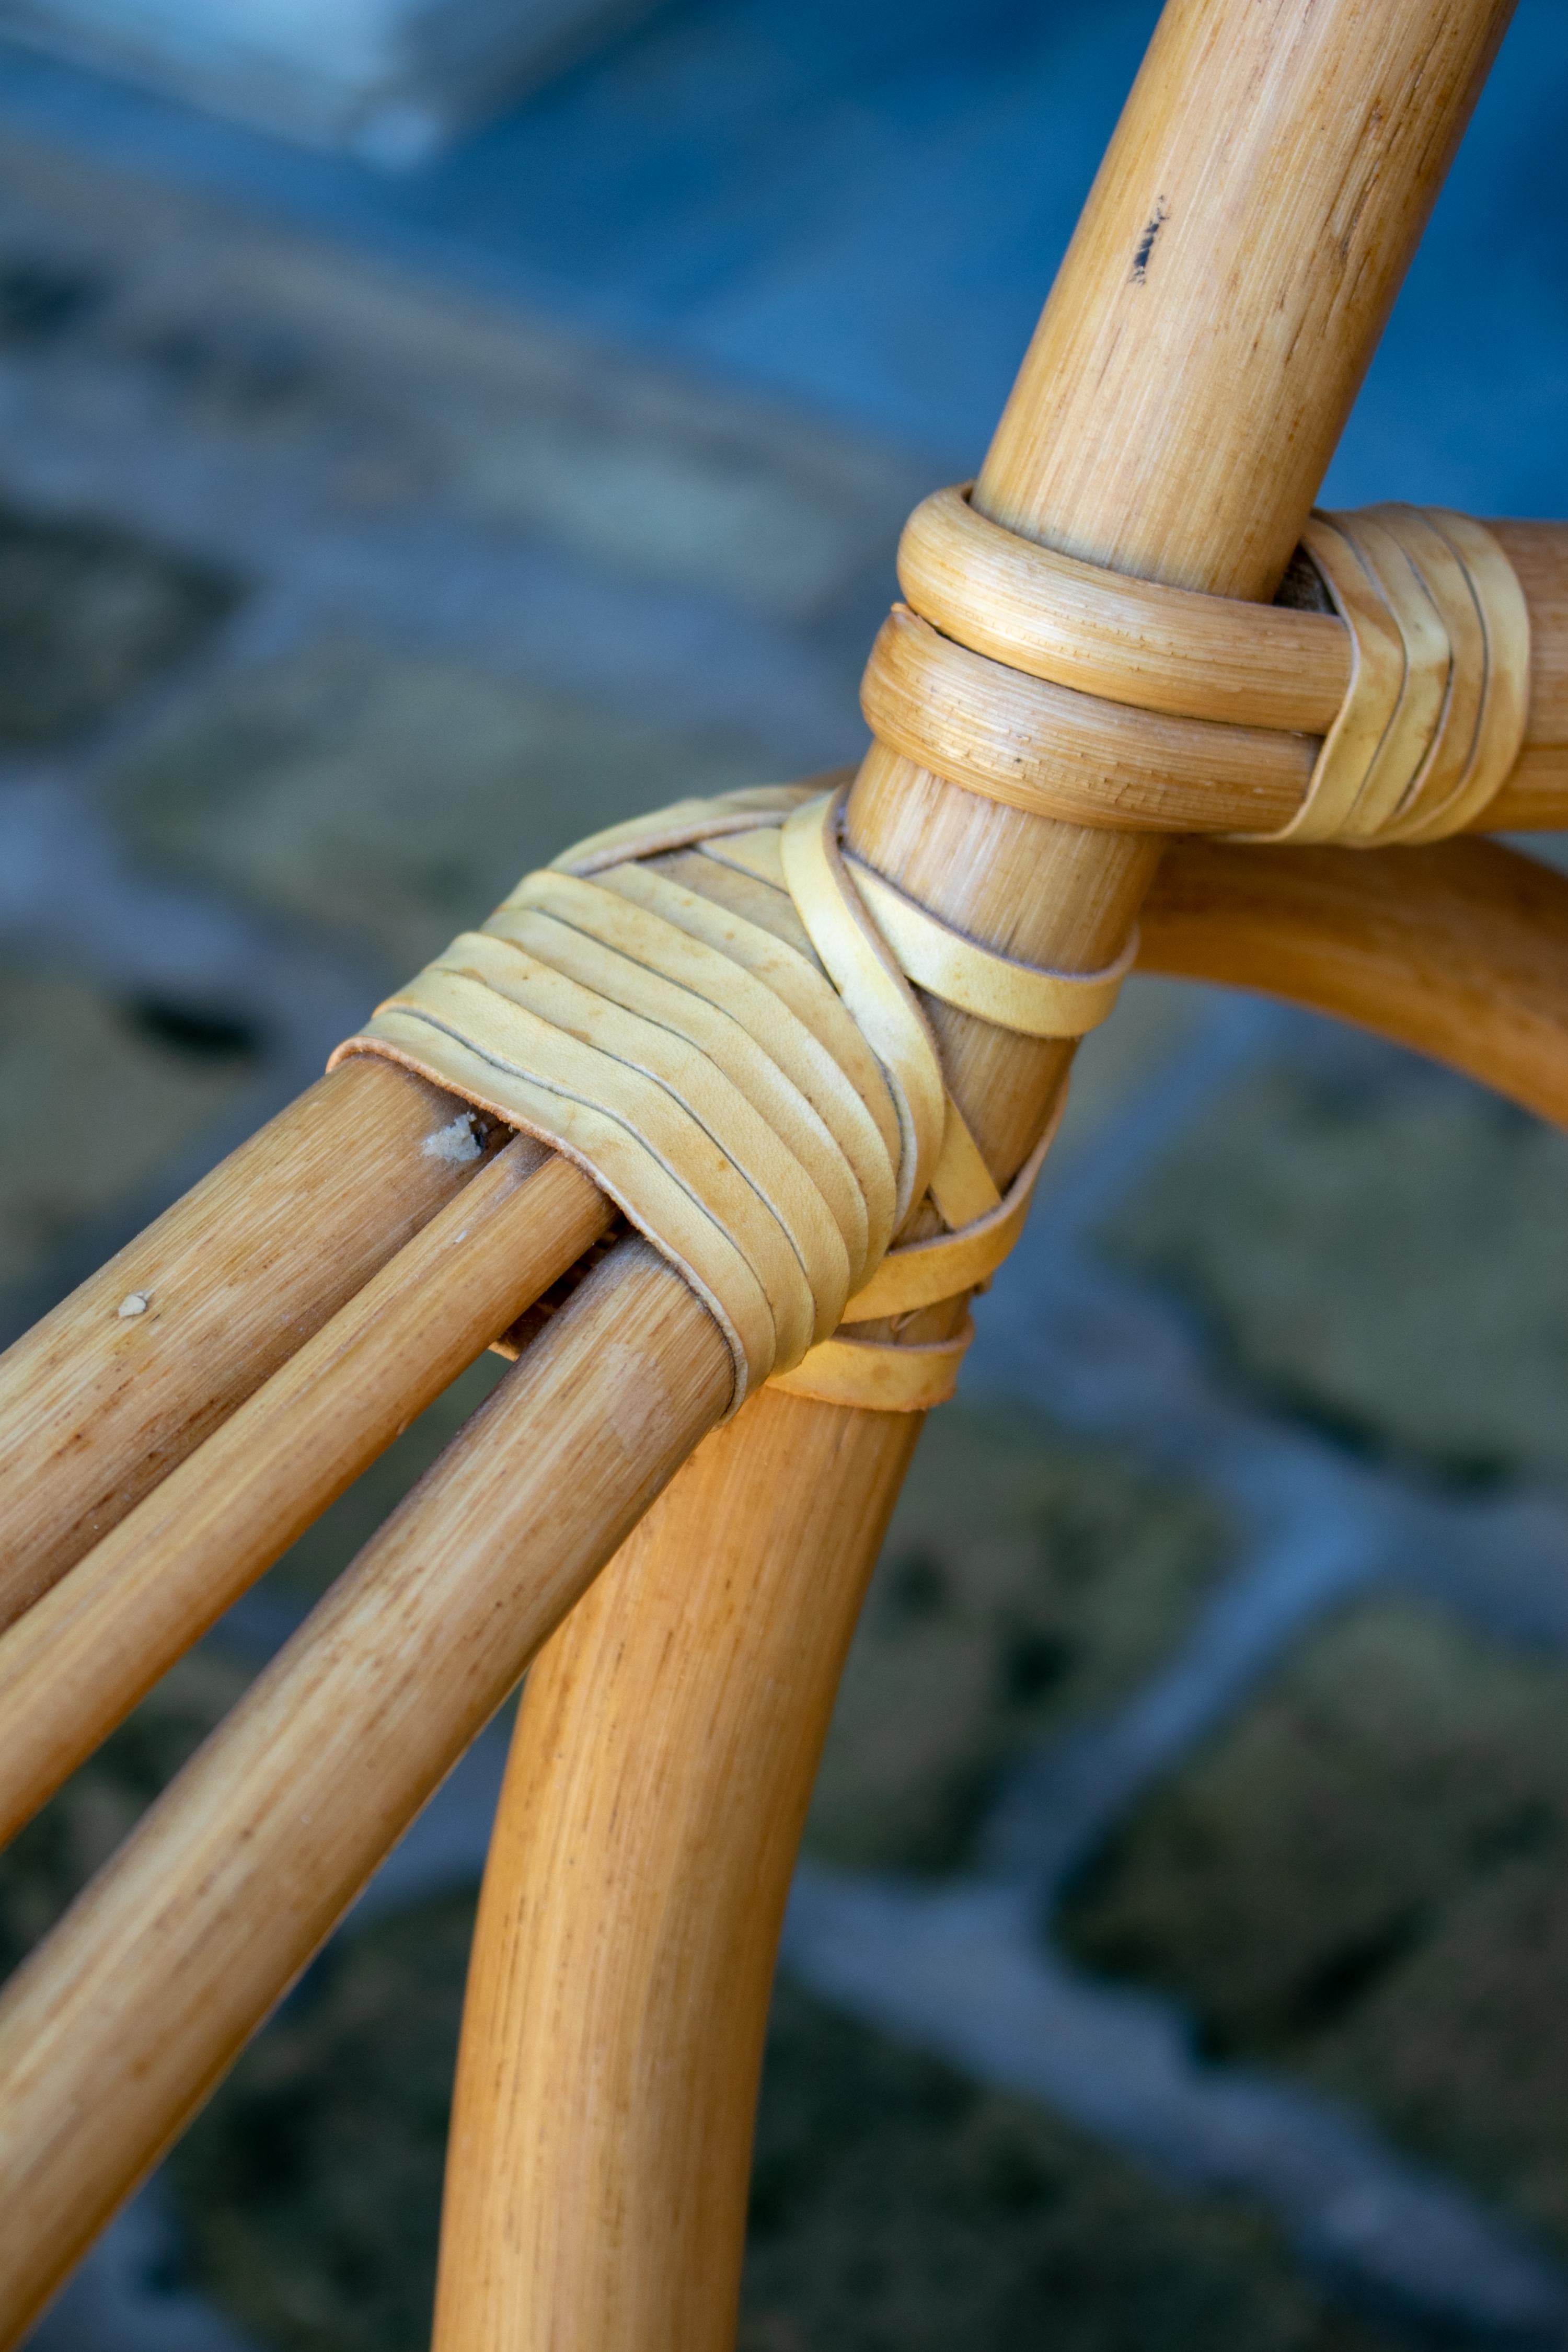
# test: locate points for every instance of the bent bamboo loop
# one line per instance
(1432, 654)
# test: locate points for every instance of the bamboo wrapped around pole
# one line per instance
(1190, 374)
(362, 1667)
(1460, 951)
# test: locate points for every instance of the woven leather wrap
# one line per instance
(754, 1084)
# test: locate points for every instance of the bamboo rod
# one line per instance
(117, 2027)
(80, 1660)
(100, 1400)
(1458, 950)
(709, 1733)
(1173, 417)
(1539, 553)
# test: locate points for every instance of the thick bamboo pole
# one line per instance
(714, 1759)
(115, 2029)
(77, 1664)
(1190, 374)
(101, 1399)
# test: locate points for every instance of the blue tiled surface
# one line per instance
(860, 204)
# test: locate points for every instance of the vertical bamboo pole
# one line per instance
(593, 2232)
(1190, 374)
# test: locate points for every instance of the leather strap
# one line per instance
(1434, 714)
(769, 1117)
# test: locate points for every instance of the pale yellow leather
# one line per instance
(1017, 997)
(861, 966)
(769, 1117)
(1435, 714)
(879, 1376)
(920, 1273)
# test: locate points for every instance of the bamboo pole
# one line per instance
(713, 1759)
(1458, 950)
(80, 1660)
(117, 2027)
(101, 1399)
(94, 1407)
(1210, 327)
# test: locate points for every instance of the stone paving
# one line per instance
(1175, 1957)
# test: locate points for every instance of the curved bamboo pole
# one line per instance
(1173, 418)
(1458, 950)
(97, 1406)
(80, 1660)
(632, 1986)
(118, 2026)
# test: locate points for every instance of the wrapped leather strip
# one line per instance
(1025, 998)
(921, 1274)
(684, 823)
(1062, 688)
(767, 1116)
(905, 1378)
(1434, 714)
(1017, 997)
(861, 966)
(825, 1052)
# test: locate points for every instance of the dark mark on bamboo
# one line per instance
(1146, 243)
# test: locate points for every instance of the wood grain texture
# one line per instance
(1534, 798)
(1174, 423)
(1458, 950)
(1218, 308)
(1044, 748)
(657, 1850)
(1173, 650)
(96, 1407)
(82, 1656)
(1061, 689)
(118, 2026)
(1131, 641)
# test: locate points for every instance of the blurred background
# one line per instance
(431, 429)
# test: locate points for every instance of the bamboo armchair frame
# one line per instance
(689, 1592)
